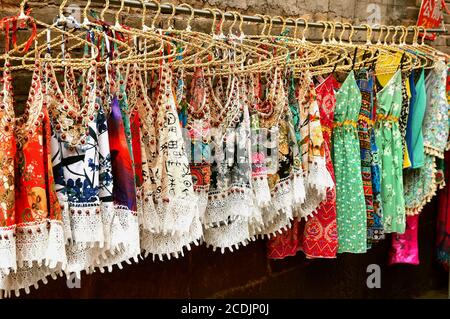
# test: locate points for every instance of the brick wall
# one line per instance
(247, 272)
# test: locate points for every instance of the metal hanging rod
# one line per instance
(167, 9)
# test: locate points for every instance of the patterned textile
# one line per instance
(369, 156)
(319, 238)
(389, 141)
(405, 248)
(351, 224)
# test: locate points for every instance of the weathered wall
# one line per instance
(247, 272)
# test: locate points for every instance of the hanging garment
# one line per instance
(414, 135)
(352, 223)
(421, 184)
(32, 245)
(435, 122)
(443, 219)
(82, 169)
(320, 238)
(403, 119)
(405, 248)
(176, 223)
(388, 139)
(286, 242)
(369, 156)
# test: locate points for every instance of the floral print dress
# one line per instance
(389, 141)
(351, 223)
(32, 233)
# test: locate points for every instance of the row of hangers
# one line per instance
(67, 42)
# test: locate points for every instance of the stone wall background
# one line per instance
(247, 272)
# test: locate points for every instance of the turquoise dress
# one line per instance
(350, 200)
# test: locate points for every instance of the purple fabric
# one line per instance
(124, 192)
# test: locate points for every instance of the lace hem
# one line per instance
(172, 217)
(309, 207)
(235, 233)
(261, 191)
(86, 223)
(282, 221)
(434, 151)
(237, 202)
(41, 243)
(25, 278)
(121, 233)
(164, 245)
(411, 211)
(318, 175)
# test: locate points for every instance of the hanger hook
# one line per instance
(61, 9)
(241, 23)
(344, 25)
(222, 20)
(191, 16)
(283, 22)
(368, 33)
(85, 12)
(325, 28)
(424, 34)
(404, 34)
(157, 13)
(265, 22)
(269, 32)
(102, 14)
(388, 31)
(122, 4)
(352, 32)
(304, 29)
(394, 36)
(331, 36)
(22, 9)
(415, 35)
(230, 28)
(170, 19)
(289, 19)
(214, 19)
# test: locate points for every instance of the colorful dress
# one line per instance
(32, 230)
(320, 237)
(414, 130)
(389, 141)
(369, 156)
(351, 223)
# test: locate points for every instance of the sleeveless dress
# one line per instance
(176, 222)
(33, 242)
(230, 206)
(369, 156)
(351, 223)
(389, 141)
(320, 237)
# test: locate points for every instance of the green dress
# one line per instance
(350, 201)
(389, 142)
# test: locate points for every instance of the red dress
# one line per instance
(36, 226)
(319, 238)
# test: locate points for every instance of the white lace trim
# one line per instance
(86, 223)
(25, 278)
(432, 150)
(121, 233)
(24, 245)
(318, 175)
(261, 191)
(165, 245)
(237, 202)
(235, 233)
(172, 217)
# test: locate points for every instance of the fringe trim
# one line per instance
(411, 211)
